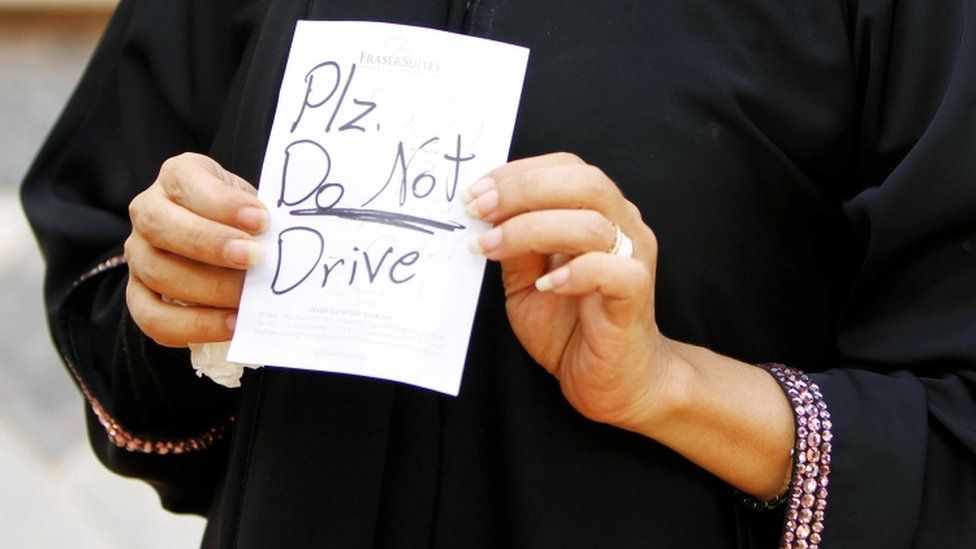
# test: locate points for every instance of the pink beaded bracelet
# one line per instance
(806, 495)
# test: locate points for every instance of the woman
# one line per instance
(797, 183)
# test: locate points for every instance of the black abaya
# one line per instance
(809, 169)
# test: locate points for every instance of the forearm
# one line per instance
(729, 417)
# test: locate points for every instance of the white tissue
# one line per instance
(210, 359)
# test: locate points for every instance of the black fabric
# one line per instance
(808, 168)
(127, 112)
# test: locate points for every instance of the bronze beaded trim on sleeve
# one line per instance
(109, 263)
(116, 432)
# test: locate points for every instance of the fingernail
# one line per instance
(231, 321)
(242, 252)
(253, 219)
(552, 280)
(476, 189)
(482, 206)
(484, 244)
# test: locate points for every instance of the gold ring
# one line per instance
(623, 246)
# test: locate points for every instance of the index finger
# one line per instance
(560, 187)
(201, 185)
(534, 163)
(506, 170)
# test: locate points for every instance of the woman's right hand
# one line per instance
(192, 239)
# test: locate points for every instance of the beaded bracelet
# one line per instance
(806, 495)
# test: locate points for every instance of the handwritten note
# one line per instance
(366, 268)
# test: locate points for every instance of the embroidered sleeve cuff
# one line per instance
(117, 433)
(806, 496)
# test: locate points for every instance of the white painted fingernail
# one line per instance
(253, 219)
(552, 280)
(484, 244)
(476, 189)
(242, 252)
(231, 321)
(483, 206)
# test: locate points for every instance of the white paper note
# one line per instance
(366, 268)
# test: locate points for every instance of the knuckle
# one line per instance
(147, 320)
(201, 160)
(149, 274)
(568, 158)
(202, 163)
(642, 276)
(135, 208)
(650, 241)
(169, 165)
(130, 296)
(634, 212)
(189, 158)
(129, 249)
(174, 166)
(151, 320)
(173, 186)
(145, 223)
(142, 213)
(594, 182)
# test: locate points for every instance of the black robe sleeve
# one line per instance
(154, 88)
(902, 399)
(903, 406)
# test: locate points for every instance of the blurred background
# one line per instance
(53, 492)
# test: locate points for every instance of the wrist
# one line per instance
(727, 416)
(671, 395)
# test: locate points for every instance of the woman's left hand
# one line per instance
(584, 314)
